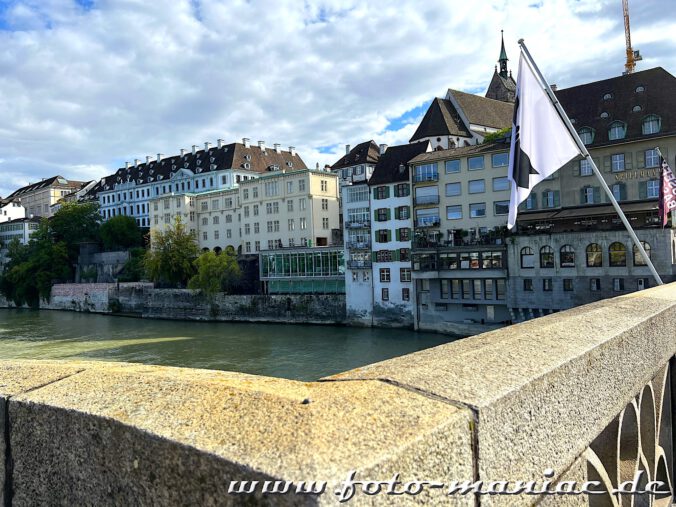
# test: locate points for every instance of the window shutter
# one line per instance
(535, 200)
(375, 215)
(387, 192)
(576, 168)
(395, 255)
(628, 161)
(374, 192)
(606, 164)
(398, 235)
(642, 189)
(557, 198)
(597, 194)
(623, 192)
(389, 213)
(582, 195)
(408, 211)
(640, 159)
(389, 235)
(374, 257)
(544, 199)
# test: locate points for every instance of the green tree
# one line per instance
(121, 233)
(170, 258)
(216, 273)
(75, 223)
(134, 268)
(500, 134)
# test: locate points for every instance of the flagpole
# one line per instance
(583, 149)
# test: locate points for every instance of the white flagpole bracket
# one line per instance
(583, 149)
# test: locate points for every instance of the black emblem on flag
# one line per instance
(522, 167)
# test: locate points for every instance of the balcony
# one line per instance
(358, 264)
(358, 245)
(428, 222)
(358, 224)
(421, 178)
(426, 199)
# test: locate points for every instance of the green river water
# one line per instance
(289, 351)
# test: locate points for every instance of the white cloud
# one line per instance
(82, 90)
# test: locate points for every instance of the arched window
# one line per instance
(527, 257)
(638, 258)
(546, 257)
(567, 256)
(617, 253)
(587, 135)
(617, 130)
(651, 124)
(594, 255)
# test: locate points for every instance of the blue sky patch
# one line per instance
(408, 117)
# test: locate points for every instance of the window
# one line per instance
(204, 206)
(500, 159)
(640, 89)
(652, 188)
(402, 190)
(383, 236)
(594, 255)
(404, 234)
(245, 193)
(477, 210)
(254, 192)
(585, 167)
(586, 135)
(617, 254)
(608, 96)
(651, 125)
(501, 183)
(404, 254)
(384, 274)
(214, 204)
(383, 256)
(618, 284)
(427, 217)
(301, 185)
(255, 210)
(527, 257)
(325, 223)
(205, 221)
(385, 294)
(205, 236)
(546, 257)
(325, 204)
(454, 212)
(617, 130)
(590, 195)
(532, 201)
(619, 191)
(405, 274)
(257, 227)
(427, 172)
(638, 258)
(247, 229)
(652, 159)
(275, 207)
(604, 115)
(405, 294)
(452, 166)
(547, 284)
(291, 224)
(501, 207)
(382, 214)
(636, 109)
(402, 213)
(568, 284)
(477, 186)
(271, 188)
(527, 284)
(303, 223)
(289, 205)
(324, 185)
(453, 189)
(246, 211)
(358, 193)
(475, 163)
(381, 192)
(567, 256)
(289, 187)
(550, 199)
(268, 208)
(594, 284)
(617, 162)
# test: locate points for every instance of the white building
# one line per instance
(21, 229)
(11, 209)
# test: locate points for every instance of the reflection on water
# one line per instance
(289, 351)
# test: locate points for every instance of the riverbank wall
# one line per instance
(142, 300)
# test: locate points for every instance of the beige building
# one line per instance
(37, 198)
(277, 210)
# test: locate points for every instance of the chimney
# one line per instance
(292, 150)
(207, 146)
(148, 157)
(383, 148)
(182, 151)
(317, 166)
(220, 142)
(159, 157)
(126, 165)
(194, 149)
(347, 149)
(245, 142)
(261, 145)
(554, 87)
(136, 161)
(277, 149)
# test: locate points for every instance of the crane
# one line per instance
(632, 56)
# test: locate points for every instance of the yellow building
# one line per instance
(38, 197)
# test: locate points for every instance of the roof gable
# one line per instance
(364, 153)
(388, 169)
(441, 119)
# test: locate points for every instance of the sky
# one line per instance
(86, 85)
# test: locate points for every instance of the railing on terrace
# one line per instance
(351, 264)
(426, 199)
(358, 224)
(358, 245)
(465, 242)
(428, 222)
(420, 178)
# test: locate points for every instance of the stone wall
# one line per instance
(584, 392)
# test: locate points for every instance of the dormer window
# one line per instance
(247, 156)
(636, 109)
(604, 115)
(651, 125)
(617, 130)
(572, 120)
(640, 89)
(586, 135)
(608, 96)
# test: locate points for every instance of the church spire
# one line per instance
(503, 56)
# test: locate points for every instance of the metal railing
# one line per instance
(426, 199)
(358, 224)
(358, 264)
(358, 245)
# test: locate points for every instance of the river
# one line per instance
(289, 351)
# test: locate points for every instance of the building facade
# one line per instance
(11, 209)
(20, 229)
(303, 271)
(37, 198)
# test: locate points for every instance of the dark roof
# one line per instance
(18, 220)
(388, 170)
(461, 152)
(229, 156)
(441, 119)
(484, 111)
(364, 153)
(501, 88)
(584, 103)
(55, 181)
(587, 210)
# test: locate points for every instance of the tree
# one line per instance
(133, 270)
(216, 273)
(500, 134)
(75, 223)
(170, 258)
(121, 233)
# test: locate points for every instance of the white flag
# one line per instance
(541, 143)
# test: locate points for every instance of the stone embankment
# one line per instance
(580, 395)
(142, 300)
